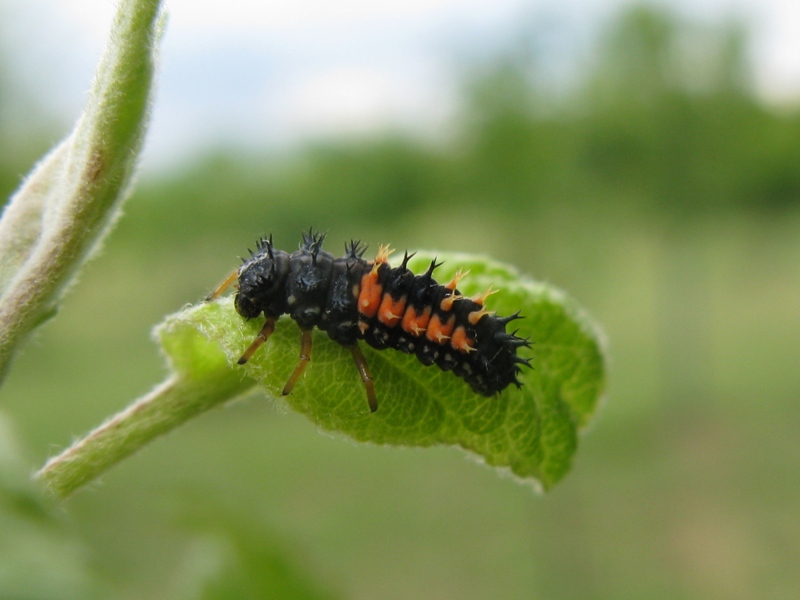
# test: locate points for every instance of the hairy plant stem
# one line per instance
(69, 202)
(169, 405)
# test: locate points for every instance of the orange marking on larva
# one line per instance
(477, 315)
(409, 320)
(414, 323)
(369, 300)
(456, 278)
(440, 332)
(447, 303)
(423, 320)
(383, 255)
(391, 310)
(461, 341)
(481, 298)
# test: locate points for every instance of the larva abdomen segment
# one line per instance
(417, 315)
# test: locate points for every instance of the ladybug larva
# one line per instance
(353, 299)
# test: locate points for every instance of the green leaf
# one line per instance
(533, 431)
(72, 197)
(201, 379)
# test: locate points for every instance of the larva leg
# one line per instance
(262, 337)
(220, 289)
(366, 376)
(305, 357)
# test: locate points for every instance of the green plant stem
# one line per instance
(67, 205)
(169, 405)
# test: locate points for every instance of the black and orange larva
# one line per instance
(351, 299)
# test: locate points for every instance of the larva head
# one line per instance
(261, 282)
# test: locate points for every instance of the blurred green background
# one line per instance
(658, 189)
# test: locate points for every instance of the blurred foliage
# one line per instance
(39, 557)
(233, 557)
(657, 187)
(665, 118)
(665, 115)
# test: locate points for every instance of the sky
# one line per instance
(274, 73)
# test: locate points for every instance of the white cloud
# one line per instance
(359, 100)
(777, 49)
